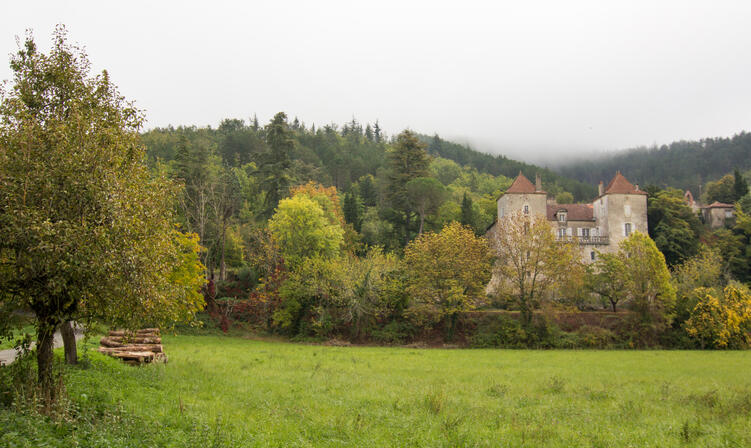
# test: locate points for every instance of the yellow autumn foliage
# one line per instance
(721, 320)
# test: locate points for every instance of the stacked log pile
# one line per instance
(141, 346)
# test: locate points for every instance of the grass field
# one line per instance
(228, 391)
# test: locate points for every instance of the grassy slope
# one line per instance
(237, 392)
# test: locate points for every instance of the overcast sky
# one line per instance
(524, 78)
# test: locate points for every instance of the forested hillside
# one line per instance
(683, 164)
(501, 165)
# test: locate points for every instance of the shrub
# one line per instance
(595, 337)
(499, 331)
(394, 332)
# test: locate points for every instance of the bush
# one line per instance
(499, 331)
(394, 332)
(595, 337)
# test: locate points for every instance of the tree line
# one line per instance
(686, 165)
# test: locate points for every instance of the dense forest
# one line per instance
(234, 163)
(684, 164)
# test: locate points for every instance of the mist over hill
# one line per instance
(681, 164)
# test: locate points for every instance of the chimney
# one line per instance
(600, 189)
(538, 182)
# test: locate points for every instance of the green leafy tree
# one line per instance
(425, 194)
(647, 279)
(704, 270)
(88, 233)
(673, 226)
(721, 190)
(607, 280)
(447, 272)
(564, 197)
(530, 262)
(303, 231)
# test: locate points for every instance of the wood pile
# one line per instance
(141, 346)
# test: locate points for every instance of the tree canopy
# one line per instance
(88, 232)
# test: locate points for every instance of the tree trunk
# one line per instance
(222, 268)
(69, 342)
(45, 340)
(613, 303)
(422, 221)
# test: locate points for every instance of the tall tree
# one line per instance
(276, 163)
(407, 160)
(468, 217)
(740, 186)
(425, 194)
(368, 192)
(352, 210)
(647, 279)
(87, 232)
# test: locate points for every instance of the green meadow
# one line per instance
(219, 391)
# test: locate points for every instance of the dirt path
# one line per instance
(8, 356)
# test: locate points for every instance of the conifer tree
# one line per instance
(352, 210)
(407, 161)
(468, 214)
(276, 163)
(740, 187)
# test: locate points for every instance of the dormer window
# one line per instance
(562, 216)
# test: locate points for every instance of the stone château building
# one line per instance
(619, 210)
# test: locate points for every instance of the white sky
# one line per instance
(530, 79)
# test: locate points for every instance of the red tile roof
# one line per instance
(574, 212)
(522, 185)
(719, 205)
(621, 185)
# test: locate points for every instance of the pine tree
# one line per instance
(368, 192)
(377, 132)
(467, 215)
(740, 186)
(352, 210)
(369, 132)
(276, 163)
(407, 160)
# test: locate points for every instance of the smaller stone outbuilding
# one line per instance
(718, 214)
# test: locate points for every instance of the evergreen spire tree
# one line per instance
(377, 132)
(276, 163)
(468, 215)
(740, 187)
(352, 210)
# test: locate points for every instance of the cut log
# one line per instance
(156, 348)
(138, 333)
(115, 341)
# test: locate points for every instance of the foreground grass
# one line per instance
(222, 391)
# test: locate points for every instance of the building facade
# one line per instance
(619, 210)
